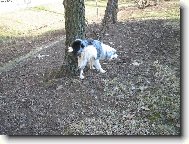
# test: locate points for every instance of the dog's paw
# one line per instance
(102, 71)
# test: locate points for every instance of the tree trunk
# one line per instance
(110, 15)
(111, 11)
(96, 8)
(75, 28)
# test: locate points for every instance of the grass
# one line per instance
(166, 10)
(40, 8)
(6, 34)
(93, 3)
(35, 20)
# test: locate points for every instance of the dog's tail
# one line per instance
(70, 49)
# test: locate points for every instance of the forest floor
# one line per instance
(138, 95)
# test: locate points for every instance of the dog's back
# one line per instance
(89, 52)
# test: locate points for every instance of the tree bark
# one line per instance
(75, 28)
(111, 11)
(110, 15)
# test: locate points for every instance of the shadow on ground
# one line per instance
(138, 95)
(14, 47)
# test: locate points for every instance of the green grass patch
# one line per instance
(165, 10)
(170, 11)
(40, 8)
(6, 33)
(93, 3)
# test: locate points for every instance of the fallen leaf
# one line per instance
(59, 87)
(177, 125)
(145, 108)
(129, 116)
(136, 63)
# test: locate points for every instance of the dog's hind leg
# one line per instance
(98, 66)
(91, 63)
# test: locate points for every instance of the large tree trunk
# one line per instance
(75, 28)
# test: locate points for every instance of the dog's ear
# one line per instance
(82, 45)
(70, 49)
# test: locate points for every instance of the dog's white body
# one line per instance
(89, 55)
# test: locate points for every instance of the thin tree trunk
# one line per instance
(110, 15)
(111, 11)
(97, 8)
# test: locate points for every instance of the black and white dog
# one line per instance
(91, 51)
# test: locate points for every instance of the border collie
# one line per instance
(91, 51)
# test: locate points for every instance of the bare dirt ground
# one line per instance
(138, 95)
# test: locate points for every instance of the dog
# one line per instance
(90, 51)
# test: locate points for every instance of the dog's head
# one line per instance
(110, 53)
(76, 47)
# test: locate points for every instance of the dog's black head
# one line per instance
(77, 46)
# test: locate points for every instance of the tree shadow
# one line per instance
(135, 38)
(146, 35)
(14, 47)
(142, 86)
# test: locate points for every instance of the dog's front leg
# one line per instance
(91, 63)
(79, 61)
(81, 74)
(80, 66)
(83, 63)
(98, 66)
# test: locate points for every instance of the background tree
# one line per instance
(75, 28)
(110, 15)
(111, 12)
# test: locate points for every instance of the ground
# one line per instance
(138, 95)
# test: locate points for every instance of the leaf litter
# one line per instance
(138, 95)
